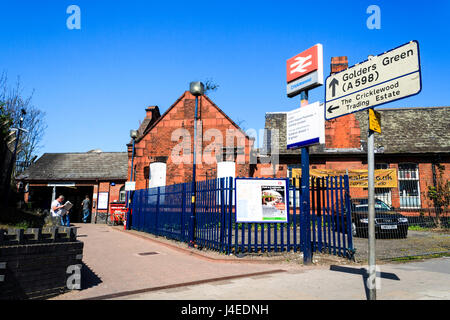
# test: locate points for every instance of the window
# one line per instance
(408, 184)
(122, 194)
(384, 194)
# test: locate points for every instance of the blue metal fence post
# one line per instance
(230, 213)
(183, 210)
(305, 228)
(294, 215)
(222, 212)
(349, 217)
(157, 211)
(192, 219)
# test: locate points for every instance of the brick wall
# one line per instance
(34, 263)
(157, 144)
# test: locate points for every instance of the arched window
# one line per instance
(122, 194)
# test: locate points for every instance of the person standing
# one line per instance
(86, 208)
(58, 211)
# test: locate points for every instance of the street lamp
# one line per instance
(197, 89)
(18, 131)
(133, 135)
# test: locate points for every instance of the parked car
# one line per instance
(388, 223)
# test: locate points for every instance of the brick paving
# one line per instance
(113, 264)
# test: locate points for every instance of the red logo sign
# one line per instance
(304, 63)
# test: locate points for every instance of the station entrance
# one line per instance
(41, 197)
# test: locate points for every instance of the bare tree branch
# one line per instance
(14, 102)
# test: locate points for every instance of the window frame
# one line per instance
(411, 179)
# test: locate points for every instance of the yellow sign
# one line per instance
(374, 121)
(384, 178)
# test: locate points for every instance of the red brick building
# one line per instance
(100, 175)
(168, 140)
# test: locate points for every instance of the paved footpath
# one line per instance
(114, 270)
(112, 264)
(413, 281)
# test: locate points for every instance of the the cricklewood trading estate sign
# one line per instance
(261, 200)
(387, 77)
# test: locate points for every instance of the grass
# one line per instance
(421, 257)
(20, 219)
(418, 228)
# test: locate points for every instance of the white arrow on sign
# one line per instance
(387, 77)
(300, 64)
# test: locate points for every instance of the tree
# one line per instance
(440, 193)
(5, 124)
(210, 86)
(33, 121)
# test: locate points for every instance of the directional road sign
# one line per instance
(387, 77)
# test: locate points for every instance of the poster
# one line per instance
(130, 186)
(384, 178)
(103, 198)
(261, 200)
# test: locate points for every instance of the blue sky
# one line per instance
(95, 83)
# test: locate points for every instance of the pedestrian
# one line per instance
(58, 211)
(86, 208)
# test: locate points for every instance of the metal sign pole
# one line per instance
(371, 282)
(305, 206)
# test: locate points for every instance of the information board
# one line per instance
(103, 198)
(261, 200)
(305, 126)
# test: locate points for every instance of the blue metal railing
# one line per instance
(166, 211)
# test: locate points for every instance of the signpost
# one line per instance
(381, 79)
(304, 72)
(374, 121)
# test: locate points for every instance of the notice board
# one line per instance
(261, 200)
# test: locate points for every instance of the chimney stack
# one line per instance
(339, 64)
(343, 132)
(152, 113)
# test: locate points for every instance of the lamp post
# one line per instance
(13, 158)
(196, 89)
(133, 135)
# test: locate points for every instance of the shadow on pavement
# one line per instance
(88, 278)
(363, 272)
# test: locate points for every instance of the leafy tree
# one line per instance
(440, 193)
